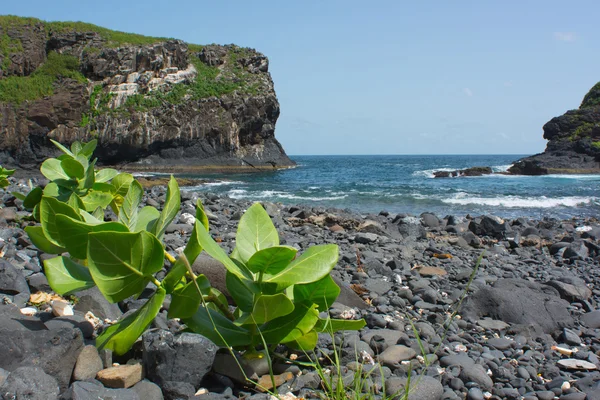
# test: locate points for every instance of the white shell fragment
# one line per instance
(61, 308)
(29, 311)
(572, 363)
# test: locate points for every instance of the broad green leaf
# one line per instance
(103, 187)
(98, 213)
(201, 214)
(53, 170)
(39, 240)
(272, 259)
(106, 174)
(122, 335)
(255, 232)
(267, 308)
(6, 172)
(216, 252)
(216, 327)
(312, 265)
(51, 190)
(88, 149)
(90, 175)
(75, 201)
(69, 184)
(121, 182)
(72, 168)
(49, 209)
(128, 213)
(62, 148)
(74, 233)
(123, 263)
(96, 199)
(21, 196)
(322, 292)
(191, 252)
(170, 209)
(241, 291)
(76, 147)
(33, 198)
(292, 326)
(185, 301)
(147, 217)
(335, 325)
(306, 342)
(85, 163)
(65, 276)
(91, 218)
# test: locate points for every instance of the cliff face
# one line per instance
(152, 103)
(573, 142)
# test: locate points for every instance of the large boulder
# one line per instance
(518, 301)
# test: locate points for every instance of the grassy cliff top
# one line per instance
(113, 38)
(592, 98)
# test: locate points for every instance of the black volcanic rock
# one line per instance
(473, 171)
(152, 103)
(573, 142)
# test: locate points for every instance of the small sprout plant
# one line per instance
(278, 294)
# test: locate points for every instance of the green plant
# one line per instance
(74, 180)
(17, 89)
(278, 296)
(596, 145)
(4, 174)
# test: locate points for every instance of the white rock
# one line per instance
(583, 228)
(187, 218)
(30, 311)
(61, 308)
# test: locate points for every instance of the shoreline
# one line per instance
(535, 289)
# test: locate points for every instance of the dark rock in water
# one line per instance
(473, 171)
(518, 301)
(572, 142)
(54, 351)
(183, 358)
(30, 383)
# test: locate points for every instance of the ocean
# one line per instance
(405, 184)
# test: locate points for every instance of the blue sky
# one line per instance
(389, 77)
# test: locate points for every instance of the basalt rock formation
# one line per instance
(573, 142)
(152, 103)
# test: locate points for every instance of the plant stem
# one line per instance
(171, 259)
(222, 307)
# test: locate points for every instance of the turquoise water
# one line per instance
(405, 184)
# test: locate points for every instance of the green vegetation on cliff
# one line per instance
(592, 98)
(113, 38)
(17, 89)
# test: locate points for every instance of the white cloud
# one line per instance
(565, 36)
(468, 92)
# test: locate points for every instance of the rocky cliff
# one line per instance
(573, 142)
(152, 103)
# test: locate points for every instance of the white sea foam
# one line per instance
(521, 202)
(269, 194)
(221, 183)
(501, 168)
